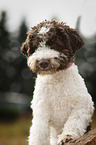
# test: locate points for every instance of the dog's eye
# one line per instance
(55, 57)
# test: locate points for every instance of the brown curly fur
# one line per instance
(60, 37)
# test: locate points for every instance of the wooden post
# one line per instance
(87, 139)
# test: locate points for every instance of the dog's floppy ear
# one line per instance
(24, 49)
(75, 40)
(27, 46)
(31, 43)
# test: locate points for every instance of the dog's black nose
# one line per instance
(43, 63)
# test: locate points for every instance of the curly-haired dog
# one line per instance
(62, 106)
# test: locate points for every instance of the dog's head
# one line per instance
(50, 47)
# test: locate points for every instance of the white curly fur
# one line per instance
(61, 103)
(43, 53)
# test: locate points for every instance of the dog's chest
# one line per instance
(54, 92)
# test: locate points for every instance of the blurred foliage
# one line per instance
(15, 76)
(85, 58)
(22, 31)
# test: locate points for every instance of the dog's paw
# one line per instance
(66, 139)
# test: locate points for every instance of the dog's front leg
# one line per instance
(76, 125)
(39, 130)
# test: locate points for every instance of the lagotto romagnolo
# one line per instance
(62, 107)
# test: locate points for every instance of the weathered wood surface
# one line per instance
(87, 139)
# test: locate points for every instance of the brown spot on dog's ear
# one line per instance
(24, 49)
(57, 38)
(75, 40)
(31, 43)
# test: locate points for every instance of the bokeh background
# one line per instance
(16, 80)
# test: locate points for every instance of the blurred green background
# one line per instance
(17, 81)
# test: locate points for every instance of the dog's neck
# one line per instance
(59, 74)
(70, 64)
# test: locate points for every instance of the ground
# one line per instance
(17, 132)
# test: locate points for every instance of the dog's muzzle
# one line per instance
(44, 64)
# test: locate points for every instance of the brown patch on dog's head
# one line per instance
(59, 37)
(64, 39)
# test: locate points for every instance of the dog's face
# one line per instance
(50, 47)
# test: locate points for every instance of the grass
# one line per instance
(16, 133)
